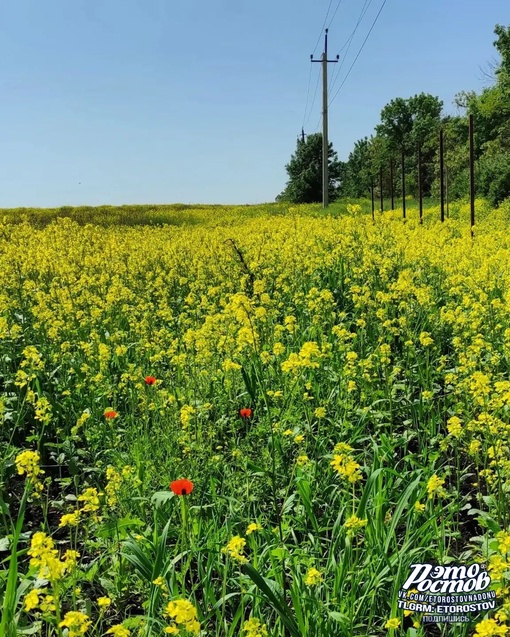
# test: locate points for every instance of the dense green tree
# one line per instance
(305, 172)
(358, 170)
(491, 111)
(407, 123)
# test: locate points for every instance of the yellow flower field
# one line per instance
(328, 395)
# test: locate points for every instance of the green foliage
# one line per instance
(494, 176)
(407, 123)
(305, 172)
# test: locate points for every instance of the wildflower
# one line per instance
(313, 577)
(229, 365)
(235, 548)
(159, 581)
(118, 631)
(32, 599)
(47, 605)
(503, 538)
(425, 339)
(419, 507)
(490, 628)
(91, 498)
(254, 628)
(435, 487)
(354, 524)
(150, 380)
(70, 559)
(70, 519)
(299, 439)
(253, 527)
(78, 623)
(288, 432)
(346, 467)
(455, 427)
(320, 412)
(110, 414)
(394, 622)
(302, 461)
(28, 462)
(182, 486)
(45, 557)
(246, 413)
(103, 602)
(474, 447)
(342, 448)
(183, 614)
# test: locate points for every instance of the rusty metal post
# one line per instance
(441, 170)
(403, 184)
(472, 170)
(373, 200)
(420, 184)
(391, 186)
(381, 189)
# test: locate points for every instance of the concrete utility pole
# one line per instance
(325, 177)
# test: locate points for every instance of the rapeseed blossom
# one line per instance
(254, 628)
(76, 622)
(235, 548)
(313, 577)
(28, 462)
(254, 526)
(435, 487)
(183, 615)
(354, 524)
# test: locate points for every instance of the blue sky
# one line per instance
(161, 101)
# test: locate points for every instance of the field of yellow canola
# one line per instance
(251, 425)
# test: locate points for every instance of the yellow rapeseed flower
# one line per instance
(77, 622)
(235, 548)
(254, 628)
(313, 577)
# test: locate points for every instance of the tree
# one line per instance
(358, 170)
(305, 172)
(407, 123)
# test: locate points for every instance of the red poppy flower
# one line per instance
(245, 413)
(182, 487)
(110, 414)
(150, 380)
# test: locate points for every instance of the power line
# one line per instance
(314, 96)
(334, 14)
(322, 28)
(307, 93)
(359, 52)
(348, 43)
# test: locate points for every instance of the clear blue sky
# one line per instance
(194, 101)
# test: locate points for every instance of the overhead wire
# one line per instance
(307, 94)
(323, 26)
(334, 14)
(313, 100)
(359, 52)
(305, 118)
(348, 43)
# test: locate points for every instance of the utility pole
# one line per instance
(325, 176)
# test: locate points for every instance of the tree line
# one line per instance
(407, 124)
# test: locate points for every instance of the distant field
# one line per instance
(335, 388)
(193, 214)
